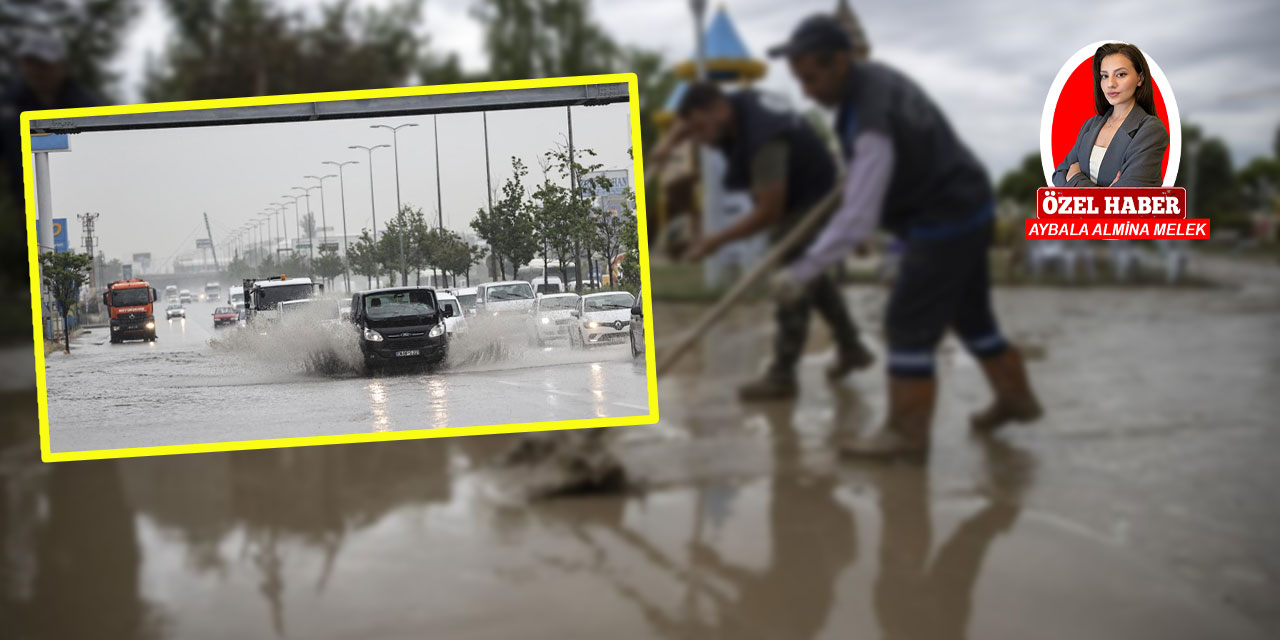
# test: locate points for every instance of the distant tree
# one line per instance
(544, 38)
(64, 273)
(654, 83)
(239, 269)
(1207, 174)
(93, 31)
(295, 264)
(509, 227)
(581, 201)
(475, 255)
(230, 48)
(363, 257)
(1019, 184)
(402, 226)
(328, 265)
(629, 270)
(268, 265)
(452, 254)
(554, 224)
(107, 270)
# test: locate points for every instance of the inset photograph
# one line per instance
(342, 267)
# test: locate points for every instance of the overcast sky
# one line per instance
(988, 63)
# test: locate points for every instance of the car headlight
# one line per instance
(372, 336)
(546, 320)
(495, 314)
(593, 325)
(151, 325)
(436, 331)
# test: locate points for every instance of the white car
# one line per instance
(467, 298)
(309, 309)
(602, 318)
(184, 296)
(175, 311)
(504, 304)
(547, 285)
(456, 324)
(551, 317)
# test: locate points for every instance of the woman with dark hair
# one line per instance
(1124, 145)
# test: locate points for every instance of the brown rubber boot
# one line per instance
(848, 361)
(1014, 399)
(770, 386)
(905, 435)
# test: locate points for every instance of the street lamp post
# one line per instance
(372, 209)
(263, 235)
(297, 220)
(342, 190)
(395, 149)
(439, 194)
(324, 220)
(270, 237)
(311, 222)
(282, 229)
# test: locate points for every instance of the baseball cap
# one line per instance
(819, 32)
(42, 45)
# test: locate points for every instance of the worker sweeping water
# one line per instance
(909, 173)
(782, 161)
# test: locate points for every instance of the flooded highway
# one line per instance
(198, 384)
(1142, 506)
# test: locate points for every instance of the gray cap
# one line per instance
(820, 32)
(42, 45)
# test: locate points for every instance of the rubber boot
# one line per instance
(848, 361)
(1014, 399)
(905, 435)
(771, 386)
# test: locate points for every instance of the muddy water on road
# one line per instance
(197, 384)
(1141, 507)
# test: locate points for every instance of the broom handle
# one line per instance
(816, 215)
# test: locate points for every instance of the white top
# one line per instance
(1095, 161)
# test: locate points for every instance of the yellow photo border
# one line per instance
(585, 423)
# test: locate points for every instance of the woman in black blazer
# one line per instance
(1122, 146)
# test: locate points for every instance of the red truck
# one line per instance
(132, 307)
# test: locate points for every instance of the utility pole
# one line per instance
(88, 220)
(395, 149)
(213, 249)
(439, 198)
(342, 190)
(488, 184)
(573, 191)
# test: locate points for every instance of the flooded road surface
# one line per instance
(1143, 506)
(197, 384)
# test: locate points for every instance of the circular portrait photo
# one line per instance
(1110, 120)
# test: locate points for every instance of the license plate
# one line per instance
(411, 352)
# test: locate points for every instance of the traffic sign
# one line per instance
(61, 244)
(50, 142)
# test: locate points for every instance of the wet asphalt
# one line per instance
(1141, 506)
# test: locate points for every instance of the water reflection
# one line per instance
(920, 594)
(812, 542)
(378, 405)
(320, 536)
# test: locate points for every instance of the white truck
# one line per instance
(262, 297)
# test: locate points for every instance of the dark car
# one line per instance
(225, 317)
(637, 329)
(400, 326)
